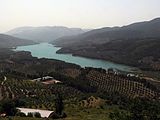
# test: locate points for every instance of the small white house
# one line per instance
(43, 78)
(47, 80)
(44, 113)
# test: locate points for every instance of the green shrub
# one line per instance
(37, 115)
(21, 114)
(30, 114)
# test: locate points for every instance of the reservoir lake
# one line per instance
(46, 50)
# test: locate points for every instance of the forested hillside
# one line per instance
(136, 44)
(7, 41)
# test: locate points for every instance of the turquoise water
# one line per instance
(45, 50)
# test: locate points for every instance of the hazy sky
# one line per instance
(75, 13)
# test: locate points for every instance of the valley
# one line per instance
(102, 74)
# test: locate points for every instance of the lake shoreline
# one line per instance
(46, 50)
(135, 68)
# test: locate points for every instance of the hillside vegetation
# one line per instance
(86, 92)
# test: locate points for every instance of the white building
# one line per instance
(44, 113)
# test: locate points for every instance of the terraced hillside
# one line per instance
(35, 94)
(22, 65)
(128, 86)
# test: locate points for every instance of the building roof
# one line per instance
(43, 78)
(44, 113)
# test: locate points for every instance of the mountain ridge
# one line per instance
(44, 33)
(99, 36)
(136, 44)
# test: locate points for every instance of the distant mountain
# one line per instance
(7, 41)
(137, 44)
(44, 34)
(101, 36)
